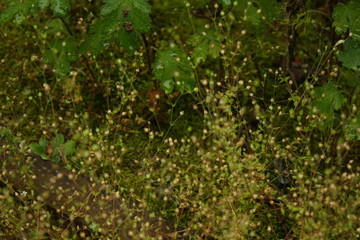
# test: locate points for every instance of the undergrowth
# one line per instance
(232, 119)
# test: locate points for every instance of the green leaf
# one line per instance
(60, 53)
(350, 54)
(174, 71)
(57, 141)
(99, 36)
(225, 3)
(43, 143)
(43, 4)
(54, 26)
(37, 148)
(328, 99)
(260, 11)
(18, 10)
(271, 9)
(252, 15)
(69, 148)
(206, 42)
(122, 22)
(137, 12)
(40, 148)
(347, 17)
(56, 157)
(60, 7)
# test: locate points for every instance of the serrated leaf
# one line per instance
(69, 148)
(347, 17)
(121, 21)
(128, 40)
(99, 36)
(174, 71)
(350, 54)
(328, 94)
(206, 42)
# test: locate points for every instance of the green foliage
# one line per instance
(19, 10)
(120, 21)
(352, 129)
(271, 9)
(225, 3)
(40, 148)
(206, 42)
(6, 135)
(246, 154)
(350, 55)
(328, 99)
(54, 150)
(347, 18)
(260, 11)
(61, 53)
(59, 7)
(172, 68)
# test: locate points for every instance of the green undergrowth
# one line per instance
(232, 119)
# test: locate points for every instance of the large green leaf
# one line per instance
(100, 35)
(347, 17)
(206, 42)
(120, 21)
(174, 71)
(350, 55)
(134, 11)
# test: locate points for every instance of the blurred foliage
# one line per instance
(234, 119)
